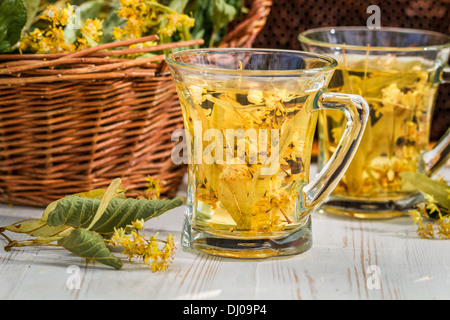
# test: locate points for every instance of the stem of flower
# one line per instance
(6, 237)
(211, 40)
(160, 7)
(30, 243)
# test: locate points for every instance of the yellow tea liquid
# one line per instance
(255, 148)
(401, 97)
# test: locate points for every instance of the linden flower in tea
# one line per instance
(255, 142)
(399, 95)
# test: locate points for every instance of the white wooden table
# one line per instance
(350, 259)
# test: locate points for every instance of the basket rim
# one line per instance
(332, 63)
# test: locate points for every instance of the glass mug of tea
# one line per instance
(250, 117)
(397, 71)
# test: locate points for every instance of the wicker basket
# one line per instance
(93, 118)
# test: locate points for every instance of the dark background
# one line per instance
(289, 18)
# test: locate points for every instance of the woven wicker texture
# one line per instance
(94, 118)
(290, 17)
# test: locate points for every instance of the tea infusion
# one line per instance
(238, 199)
(400, 98)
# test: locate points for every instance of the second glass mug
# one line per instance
(398, 72)
(250, 117)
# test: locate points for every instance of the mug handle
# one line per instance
(435, 158)
(443, 74)
(356, 111)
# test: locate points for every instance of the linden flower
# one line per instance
(118, 33)
(82, 43)
(235, 172)
(391, 94)
(31, 40)
(441, 226)
(52, 39)
(153, 188)
(132, 3)
(431, 204)
(134, 27)
(93, 29)
(196, 92)
(59, 17)
(163, 258)
(176, 22)
(149, 17)
(255, 96)
(266, 221)
(55, 16)
(137, 246)
(416, 216)
(53, 42)
(138, 224)
(118, 235)
(426, 231)
(273, 207)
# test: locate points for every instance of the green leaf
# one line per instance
(121, 212)
(212, 17)
(36, 228)
(78, 212)
(110, 193)
(74, 211)
(223, 13)
(77, 222)
(89, 245)
(32, 9)
(90, 9)
(176, 5)
(13, 17)
(111, 21)
(40, 228)
(429, 186)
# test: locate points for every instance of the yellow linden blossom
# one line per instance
(143, 17)
(416, 216)
(46, 41)
(153, 188)
(118, 33)
(52, 40)
(441, 225)
(161, 259)
(58, 17)
(431, 204)
(93, 29)
(137, 246)
(138, 224)
(235, 172)
(148, 16)
(176, 22)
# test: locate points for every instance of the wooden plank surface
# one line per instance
(350, 259)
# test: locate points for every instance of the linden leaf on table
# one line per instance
(428, 186)
(89, 245)
(78, 212)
